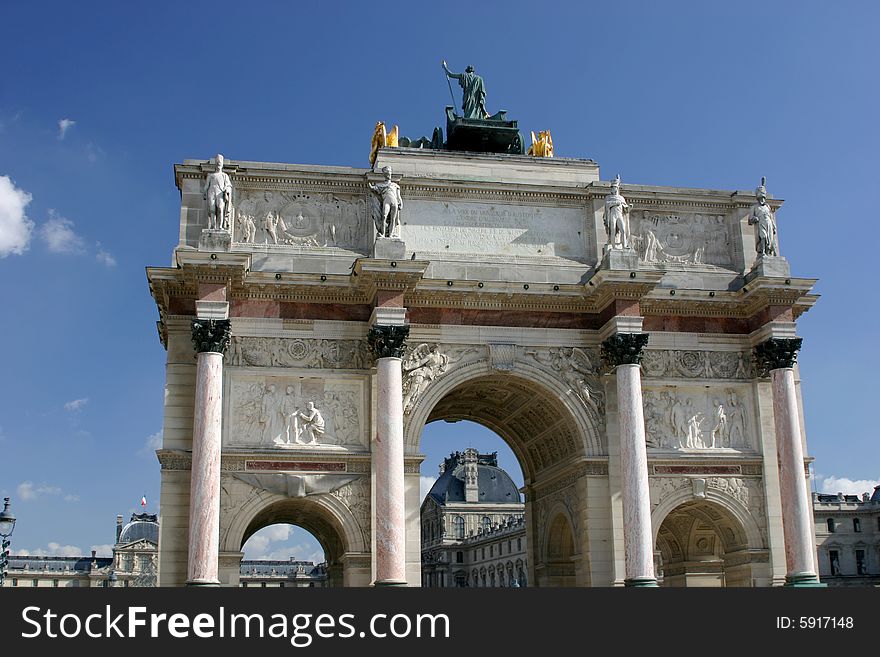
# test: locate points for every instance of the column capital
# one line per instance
(776, 353)
(388, 341)
(624, 348)
(211, 335)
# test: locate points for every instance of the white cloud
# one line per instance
(28, 491)
(832, 485)
(52, 550)
(104, 257)
(276, 543)
(103, 550)
(425, 484)
(76, 404)
(151, 444)
(59, 235)
(15, 227)
(63, 126)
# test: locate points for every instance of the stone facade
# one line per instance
(502, 278)
(848, 538)
(473, 526)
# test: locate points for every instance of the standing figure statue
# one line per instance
(718, 434)
(473, 101)
(616, 218)
(387, 215)
(218, 194)
(762, 217)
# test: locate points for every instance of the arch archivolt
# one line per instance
(561, 505)
(734, 505)
(518, 393)
(339, 519)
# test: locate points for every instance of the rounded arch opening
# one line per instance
(702, 543)
(311, 518)
(283, 555)
(545, 427)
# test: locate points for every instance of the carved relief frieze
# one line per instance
(283, 217)
(285, 411)
(676, 363)
(697, 419)
(356, 496)
(682, 239)
(298, 352)
(577, 369)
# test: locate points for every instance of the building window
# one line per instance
(55, 583)
(35, 582)
(830, 523)
(518, 544)
(834, 558)
(459, 557)
(492, 551)
(244, 585)
(860, 562)
(475, 554)
(263, 584)
(15, 582)
(483, 551)
(509, 547)
(486, 523)
(458, 527)
(857, 525)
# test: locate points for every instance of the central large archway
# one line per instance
(551, 430)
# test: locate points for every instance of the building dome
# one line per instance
(494, 485)
(144, 526)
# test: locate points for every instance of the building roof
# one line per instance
(494, 485)
(57, 564)
(143, 526)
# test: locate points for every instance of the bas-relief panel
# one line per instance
(682, 239)
(494, 229)
(677, 363)
(285, 412)
(684, 419)
(304, 220)
(298, 352)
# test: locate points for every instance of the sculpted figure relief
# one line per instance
(387, 214)
(695, 420)
(762, 218)
(422, 366)
(218, 194)
(473, 97)
(308, 423)
(616, 218)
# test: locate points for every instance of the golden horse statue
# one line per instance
(542, 145)
(382, 138)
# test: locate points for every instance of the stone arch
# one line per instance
(328, 518)
(752, 536)
(711, 540)
(467, 391)
(558, 550)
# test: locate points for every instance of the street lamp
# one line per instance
(7, 524)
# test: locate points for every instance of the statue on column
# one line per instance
(616, 218)
(762, 218)
(473, 100)
(218, 194)
(386, 213)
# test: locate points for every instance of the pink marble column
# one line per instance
(796, 513)
(388, 343)
(777, 356)
(624, 351)
(210, 337)
(637, 535)
(390, 503)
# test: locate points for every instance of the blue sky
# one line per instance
(98, 101)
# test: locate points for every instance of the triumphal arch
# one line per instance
(635, 345)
